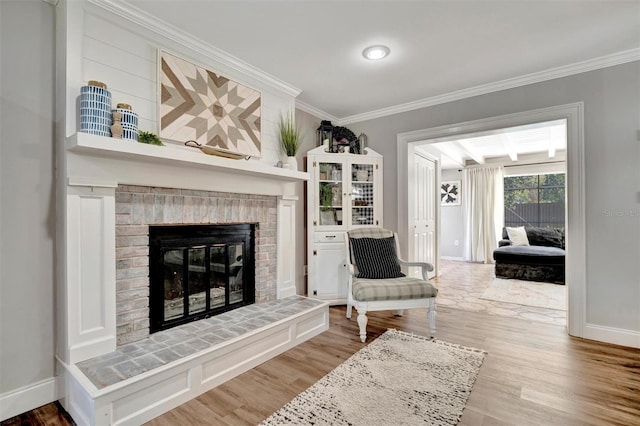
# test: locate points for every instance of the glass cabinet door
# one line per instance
(330, 182)
(362, 199)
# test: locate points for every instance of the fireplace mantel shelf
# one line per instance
(104, 147)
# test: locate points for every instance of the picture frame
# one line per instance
(199, 104)
(450, 193)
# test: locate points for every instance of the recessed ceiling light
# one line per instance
(376, 52)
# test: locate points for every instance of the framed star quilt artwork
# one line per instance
(201, 105)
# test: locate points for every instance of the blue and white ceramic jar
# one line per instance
(129, 122)
(95, 109)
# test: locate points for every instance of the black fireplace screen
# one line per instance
(196, 271)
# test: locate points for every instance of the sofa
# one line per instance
(542, 260)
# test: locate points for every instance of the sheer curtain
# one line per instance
(483, 212)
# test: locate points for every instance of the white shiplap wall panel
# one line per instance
(101, 29)
(145, 108)
(118, 78)
(132, 62)
(126, 60)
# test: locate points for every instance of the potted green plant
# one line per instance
(289, 138)
(149, 138)
(326, 197)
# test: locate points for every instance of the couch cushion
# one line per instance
(538, 236)
(546, 237)
(529, 255)
(518, 236)
(365, 290)
(376, 257)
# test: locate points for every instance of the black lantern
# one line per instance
(323, 133)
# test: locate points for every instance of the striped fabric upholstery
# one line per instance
(366, 233)
(376, 258)
(365, 290)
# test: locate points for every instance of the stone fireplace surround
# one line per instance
(137, 207)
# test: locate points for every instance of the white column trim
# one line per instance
(286, 247)
(91, 275)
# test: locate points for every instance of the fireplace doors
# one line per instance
(196, 271)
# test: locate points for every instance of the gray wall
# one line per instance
(27, 222)
(611, 99)
(451, 221)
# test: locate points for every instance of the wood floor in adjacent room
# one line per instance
(534, 374)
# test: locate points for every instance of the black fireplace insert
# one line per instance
(196, 271)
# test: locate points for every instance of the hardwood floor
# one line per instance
(50, 415)
(534, 374)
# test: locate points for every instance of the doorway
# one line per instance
(573, 114)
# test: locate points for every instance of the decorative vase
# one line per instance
(95, 109)
(116, 127)
(292, 162)
(129, 121)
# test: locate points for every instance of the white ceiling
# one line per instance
(437, 47)
(508, 145)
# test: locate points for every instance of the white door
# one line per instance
(424, 213)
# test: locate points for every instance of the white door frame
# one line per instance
(576, 258)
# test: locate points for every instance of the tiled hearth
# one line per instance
(172, 345)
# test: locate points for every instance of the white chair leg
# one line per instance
(431, 317)
(349, 309)
(362, 323)
(399, 312)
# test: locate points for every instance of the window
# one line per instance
(534, 200)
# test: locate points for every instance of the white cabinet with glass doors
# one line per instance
(344, 192)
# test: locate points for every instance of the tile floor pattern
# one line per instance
(461, 284)
(165, 346)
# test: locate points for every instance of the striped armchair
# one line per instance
(376, 282)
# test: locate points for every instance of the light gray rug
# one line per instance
(528, 293)
(398, 379)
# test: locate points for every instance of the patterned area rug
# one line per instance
(398, 379)
(528, 293)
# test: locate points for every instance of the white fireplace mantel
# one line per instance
(100, 161)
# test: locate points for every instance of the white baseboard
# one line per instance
(27, 398)
(286, 292)
(617, 336)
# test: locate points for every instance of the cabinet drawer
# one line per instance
(328, 237)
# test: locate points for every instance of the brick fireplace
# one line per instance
(137, 207)
(115, 190)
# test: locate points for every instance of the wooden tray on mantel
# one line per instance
(210, 150)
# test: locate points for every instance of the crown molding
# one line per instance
(510, 83)
(316, 112)
(145, 20)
